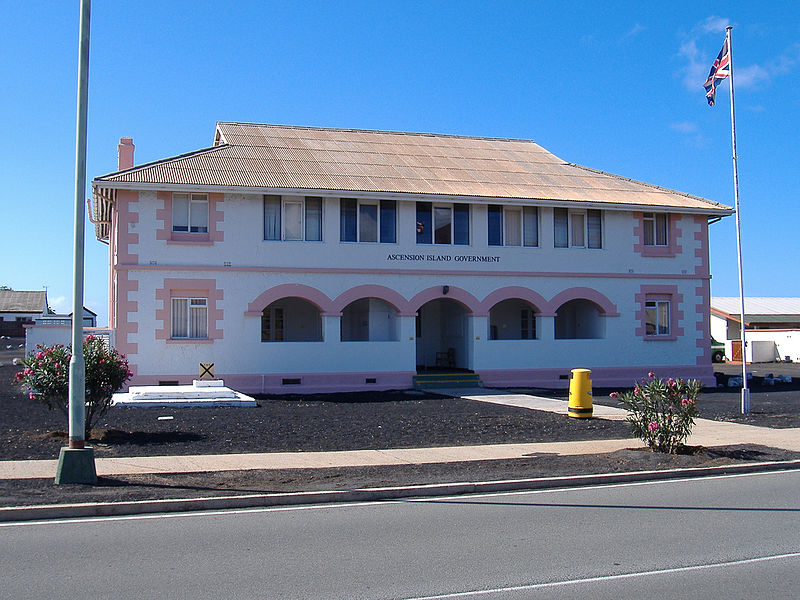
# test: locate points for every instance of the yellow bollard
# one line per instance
(580, 394)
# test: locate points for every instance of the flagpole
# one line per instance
(745, 389)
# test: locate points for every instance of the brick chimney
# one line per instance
(125, 153)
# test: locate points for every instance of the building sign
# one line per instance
(444, 258)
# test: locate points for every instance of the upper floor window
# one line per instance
(189, 318)
(368, 221)
(577, 228)
(513, 226)
(442, 223)
(656, 228)
(293, 218)
(190, 213)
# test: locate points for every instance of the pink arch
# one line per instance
(607, 308)
(384, 293)
(290, 290)
(515, 292)
(469, 301)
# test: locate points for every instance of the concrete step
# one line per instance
(447, 380)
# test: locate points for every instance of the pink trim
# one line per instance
(623, 377)
(703, 292)
(342, 271)
(660, 292)
(674, 233)
(310, 383)
(189, 288)
(607, 308)
(515, 292)
(384, 293)
(461, 296)
(291, 290)
(215, 218)
(124, 325)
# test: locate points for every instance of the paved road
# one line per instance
(730, 537)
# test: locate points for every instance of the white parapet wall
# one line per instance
(767, 345)
(48, 335)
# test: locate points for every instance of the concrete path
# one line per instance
(706, 433)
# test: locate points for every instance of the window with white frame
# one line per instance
(190, 213)
(293, 218)
(368, 221)
(656, 229)
(513, 225)
(442, 223)
(189, 318)
(577, 228)
(657, 317)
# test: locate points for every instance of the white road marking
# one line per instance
(604, 578)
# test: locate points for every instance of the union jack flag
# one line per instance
(719, 71)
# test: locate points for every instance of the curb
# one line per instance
(141, 507)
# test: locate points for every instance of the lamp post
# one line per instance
(76, 462)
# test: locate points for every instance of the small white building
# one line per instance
(772, 328)
(20, 307)
(308, 259)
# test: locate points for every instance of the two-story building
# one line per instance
(309, 259)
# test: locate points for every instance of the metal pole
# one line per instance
(77, 366)
(745, 389)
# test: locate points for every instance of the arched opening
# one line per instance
(579, 319)
(291, 320)
(513, 319)
(369, 320)
(442, 335)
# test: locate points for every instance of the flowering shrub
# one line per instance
(46, 377)
(661, 413)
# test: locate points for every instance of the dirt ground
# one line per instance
(372, 420)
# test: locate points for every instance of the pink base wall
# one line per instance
(312, 383)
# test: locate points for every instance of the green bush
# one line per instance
(662, 413)
(46, 377)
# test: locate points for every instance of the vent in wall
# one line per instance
(290, 381)
(370, 380)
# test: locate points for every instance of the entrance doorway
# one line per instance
(442, 336)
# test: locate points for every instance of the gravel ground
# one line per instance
(369, 420)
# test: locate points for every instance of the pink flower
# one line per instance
(652, 426)
(613, 395)
(686, 401)
(651, 374)
(31, 395)
(39, 356)
(671, 382)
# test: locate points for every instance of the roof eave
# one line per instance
(411, 196)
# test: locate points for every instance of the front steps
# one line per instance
(448, 379)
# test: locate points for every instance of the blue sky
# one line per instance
(615, 86)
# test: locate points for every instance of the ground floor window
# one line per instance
(578, 319)
(189, 318)
(657, 317)
(272, 324)
(291, 320)
(512, 319)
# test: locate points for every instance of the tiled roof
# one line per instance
(12, 301)
(278, 157)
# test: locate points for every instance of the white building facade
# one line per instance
(304, 259)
